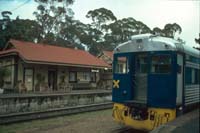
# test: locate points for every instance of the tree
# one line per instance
(170, 30)
(3, 24)
(100, 17)
(197, 40)
(20, 29)
(6, 18)
(122, 30)
(73, 33)
(157, 31)
(50, 15)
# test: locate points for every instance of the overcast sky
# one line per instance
(154, 13)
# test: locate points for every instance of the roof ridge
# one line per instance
(43, 44)
(49, 53)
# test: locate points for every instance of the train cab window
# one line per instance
(141, 64)
(121, 65)
(161, 64)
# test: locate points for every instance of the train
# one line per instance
(155, 80)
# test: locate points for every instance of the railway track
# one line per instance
(26, 116)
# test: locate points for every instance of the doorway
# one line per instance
(141, 72)
(52, 79)
(28, 78)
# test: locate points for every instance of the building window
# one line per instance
(72, 77)
(83, 76)
(161, 64)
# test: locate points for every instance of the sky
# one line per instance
(153, 13)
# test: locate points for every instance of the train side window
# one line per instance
(192, 76)
(121, 65)
(197, 76)
(161, 64)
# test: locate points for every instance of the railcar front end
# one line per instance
(148, 82)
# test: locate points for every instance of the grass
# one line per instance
(51, 122)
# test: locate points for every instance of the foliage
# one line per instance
(100, 17)
(96, 30)
(20, 29)
(50, 15)
(122, 30)
(169, 30)
(55, 25)
(5, 15)
(197, 40)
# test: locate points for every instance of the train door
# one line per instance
(140, 78)
(122, 83)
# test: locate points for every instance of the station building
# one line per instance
(45, 68)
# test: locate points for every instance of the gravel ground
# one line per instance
(187, 123)
(90, 122)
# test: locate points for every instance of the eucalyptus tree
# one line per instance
(121, 30)
(20, 29)
(157, 31)
(100, 17)
(6, 18)
(197, 40)
(171, 29)
(74, 33)
(50, 15)
(96, 32)
(3, 23)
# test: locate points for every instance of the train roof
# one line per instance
(149, 42)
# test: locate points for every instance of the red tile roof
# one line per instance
(42, 53)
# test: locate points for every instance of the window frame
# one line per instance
(75, 76)
(124, 65)
(160, 70)
(138, 65)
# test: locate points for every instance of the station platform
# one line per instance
(187, 123)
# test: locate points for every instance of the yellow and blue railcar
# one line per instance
(154, 80)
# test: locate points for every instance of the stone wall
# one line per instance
(42, 102)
